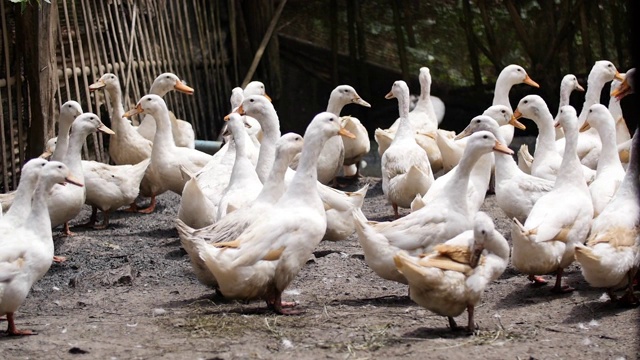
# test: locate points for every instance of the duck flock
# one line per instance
(252, 214)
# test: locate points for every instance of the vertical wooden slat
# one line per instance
(100, 52)
(204, 107)
(152, 54)
(82, 88)
(176, 29)
(222, 90)
(112, 50)
(132, 76)
(7, 70)
(3, 142)
(144, 76)
(63, 68)
(206, 61)
(167, 49)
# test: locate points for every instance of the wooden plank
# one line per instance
(3, 142)
(264, 43)
(7, 70)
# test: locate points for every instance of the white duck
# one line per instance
(126, 146)
(332, 157)
(163, 171)
(442, 219)
(65, 202)
(454, 275)
(27, 249)
(21, 206)
(244, 185)
(203, 189)
(232, 225)
(611, 255)
(405, 166)
(546, 160)
(68, 112)
(558, 220)
(481, 173)
(609, 172)
(354, 149)
(424, 122)
(589, 144)
(110, 187)
(516, 191)
(568, 85)
(182, 131)
(509, 76)
(262, 261)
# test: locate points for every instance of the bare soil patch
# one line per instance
(128, 292)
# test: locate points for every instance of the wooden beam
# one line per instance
(265, 41)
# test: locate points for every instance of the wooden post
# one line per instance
(333, 28)
(40, 70)
(402, 51)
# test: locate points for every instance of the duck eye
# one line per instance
(483, 232)
(526, 101)
(478, 121)
(485, 137)
(250, 100)
(168, 77)
(503, 111)
(519, 69)
(590, 110)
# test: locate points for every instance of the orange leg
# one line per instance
(59, 259)
(537, 280)
(67, 231)
(395, 210)
(283, 307)
(12, 331)
(132, 208)
(151, 207)
(558, 288)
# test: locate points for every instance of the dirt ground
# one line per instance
(128, 292)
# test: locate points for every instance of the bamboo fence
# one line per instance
(135, 39)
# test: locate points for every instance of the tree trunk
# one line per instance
(402, 51)
(466, 21)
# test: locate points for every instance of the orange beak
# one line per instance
(183, 88)
(137, 110)
(530, 82)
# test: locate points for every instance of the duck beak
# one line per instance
(97, 85)
(346, 133)
(137, 110)
(623, 90)
(46, 154)
(618, 76)
(239, 110)
(431, 134)
(516, 115)
(71, 180)
(585, 126)
(530, 82)
(103, 128)
(183, 88)
(268, 98)
(466, 132)
(517, 124)
(500, 147)
(389, 96)
(358, 100)
(475, 256)
(579, 87)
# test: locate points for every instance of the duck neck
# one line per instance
(303, 186)
(274, 187)
(73, 160)
(609, 152)
(270, 134)
(592, 96)
(335, 106)
(457, 186)
(163, 140)
(546, 140)
(405, 130)
(156, 89)
(570, 168)
(22, 203)
(630, 187)
(501, 92)
(497, 245)
(424, 101)
(62, 144)
(565, 96)
(242, 162)
(118, 121)
(38, 219)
